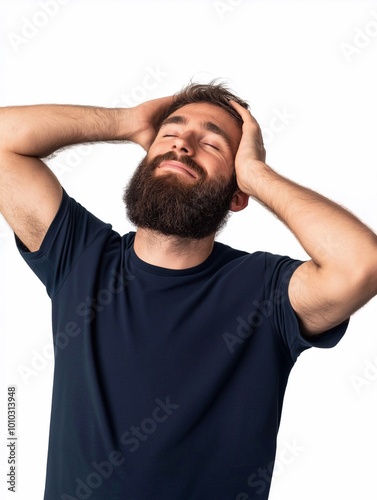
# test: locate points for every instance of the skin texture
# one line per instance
(339, 278)
(30, 194)
(324, 291)
(214, 154)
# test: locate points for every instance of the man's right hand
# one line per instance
(30, 194)
(142, 121)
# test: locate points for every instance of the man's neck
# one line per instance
(171, 252)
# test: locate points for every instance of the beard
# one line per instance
(173, 207)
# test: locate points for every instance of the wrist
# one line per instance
(253, 177)
(125, 124)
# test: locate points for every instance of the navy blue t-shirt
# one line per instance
(168, 384)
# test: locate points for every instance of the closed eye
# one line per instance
(211, 146)
(205, 143)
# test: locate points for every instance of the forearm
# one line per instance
(331, 236)
(42, 129)
(341, 275)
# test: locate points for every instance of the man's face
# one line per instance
(185, 184)
(203, 132)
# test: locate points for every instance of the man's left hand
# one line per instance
(251, 152)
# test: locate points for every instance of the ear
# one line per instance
(239, 201)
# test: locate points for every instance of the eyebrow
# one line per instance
(209, 126)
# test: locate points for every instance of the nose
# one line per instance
(183, 144)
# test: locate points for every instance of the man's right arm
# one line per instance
(30, 194)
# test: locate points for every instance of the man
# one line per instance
(172, 351)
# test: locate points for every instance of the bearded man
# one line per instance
(172, 350)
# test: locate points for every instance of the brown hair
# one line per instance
(212, 92)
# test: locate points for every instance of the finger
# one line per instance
(243, 112)
(252, 125)
(161, 105)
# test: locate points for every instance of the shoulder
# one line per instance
(236, 259)
(228, 252)
(259, 258)
(260, 265)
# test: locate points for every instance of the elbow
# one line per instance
(366, 277)
(358, 281)
(371, 279)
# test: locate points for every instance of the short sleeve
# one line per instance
(285, 322)
(71, 232)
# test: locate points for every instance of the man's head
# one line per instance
(213, 93)
(186, 184)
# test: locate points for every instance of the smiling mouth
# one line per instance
(177, 166)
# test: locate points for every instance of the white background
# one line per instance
(314, 63)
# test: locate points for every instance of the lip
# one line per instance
(177, 166)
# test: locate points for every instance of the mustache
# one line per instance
(186, 160)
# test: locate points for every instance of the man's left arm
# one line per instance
(342, 273)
